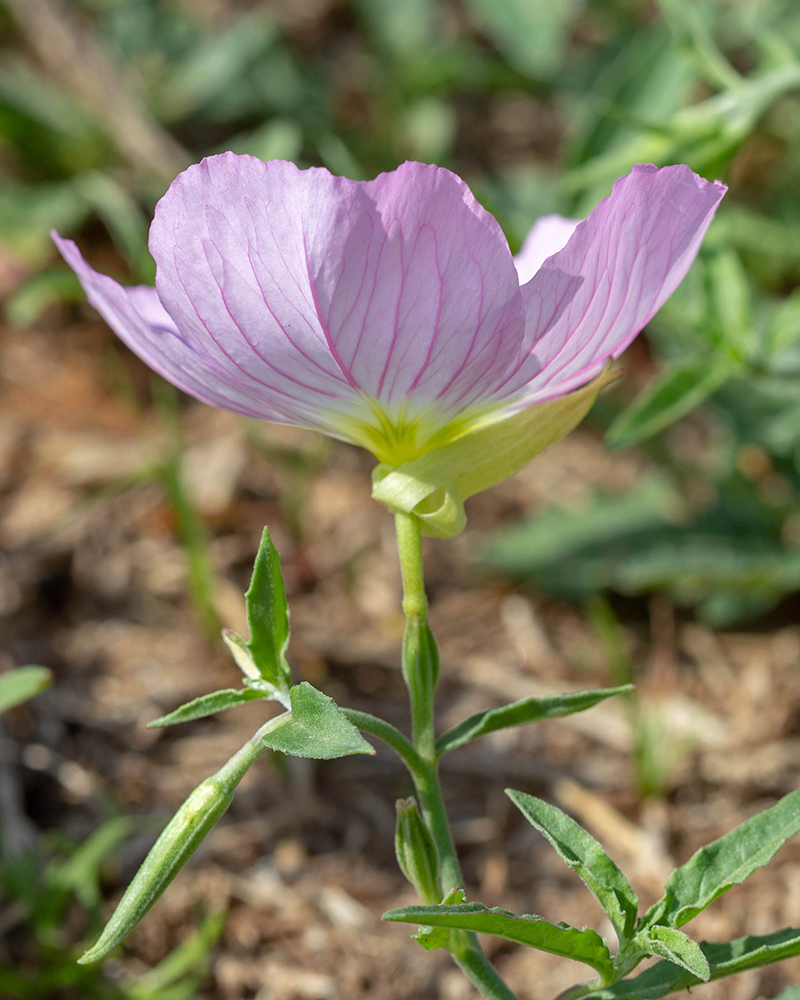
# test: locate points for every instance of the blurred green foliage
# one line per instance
(54, 889)
(539, 106)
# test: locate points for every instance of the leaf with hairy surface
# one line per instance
(726, 862)
(518, 713)
(583, 945)
(581, 852)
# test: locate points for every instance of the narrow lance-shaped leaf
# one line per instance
(315, 728)
(725, 863)
(730, 293)
(583, 945)
(586, 857)
(518, 713)
(21, 684)
(724, 959)
(268, 616)
(208, 704)
(678, 390)
(181, 973)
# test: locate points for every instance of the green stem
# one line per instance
(391, 737)
(409, 549)
(420, 657)
(420, 672)
(481, 973)
(435, 812)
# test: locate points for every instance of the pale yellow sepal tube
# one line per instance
(435, 486)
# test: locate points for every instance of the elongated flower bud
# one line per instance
(416, 852)
(179, 840)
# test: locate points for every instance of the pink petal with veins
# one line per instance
(310, 299)
(588, 301)
(402, 288)
(137, 316)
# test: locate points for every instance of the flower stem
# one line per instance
(420, 662)
(481, 973)
(409, 548)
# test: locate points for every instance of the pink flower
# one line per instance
(391, 312)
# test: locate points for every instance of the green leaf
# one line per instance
(783, 329)
(268, 616)
(725, 863)
(315, 727)
(81, 872)
(208, 704)
(725, 959)
(123, 217)
(40, 292)
(531, 34)
(403, 30)
(680, 388)
(675, 947)
(730, 294)
(520, 712)
(21, 684)
(581, 852)
(556, 534)
(217, 64)
(183, 970)
(560, 939)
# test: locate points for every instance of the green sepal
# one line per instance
(315, 727)
(724, 959)
(725, 862)
(518, 713)
(268, 618)
(580, 851)
(584, 945)
(435, 486)
(21, 684)
(209, 704)
(675, 947)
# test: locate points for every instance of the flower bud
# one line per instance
(179, 840)
(416, 852)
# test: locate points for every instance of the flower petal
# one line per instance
(588, 301)
(137, 316)
(549, 234)
(444, 274)
(401, 289)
